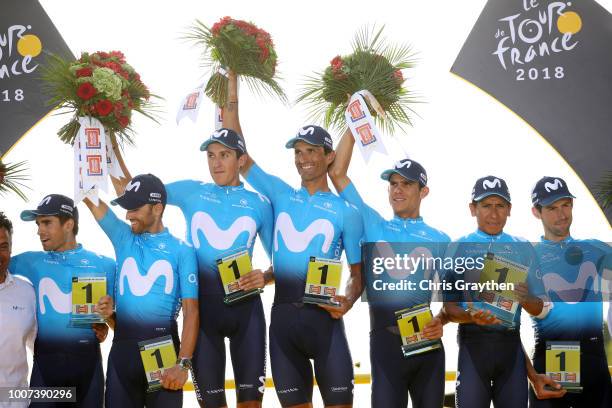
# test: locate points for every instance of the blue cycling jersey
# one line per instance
(319, 225)
(154, 272)
(571, 272)
(377, 229)
(515, 249)
(221, 221)
(51, 275)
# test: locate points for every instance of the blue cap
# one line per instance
(228, 138)
(314, 135)
(408, 169)
(53, 204)
(141, 190)
(548, 190)
(488, 186)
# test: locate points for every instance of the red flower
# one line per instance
(337, 63)
(86, 91)
(124, 121)
(104, 107)
(118, 107)
(114, 66)
(398, 76)
(84, 72)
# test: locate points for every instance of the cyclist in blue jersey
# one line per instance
(156, 276)
(312, 226)
(223, 219)
(394, 376)
(491, 365)
(571, 270)
(64, 355)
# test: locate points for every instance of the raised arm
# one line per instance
(98, 211)
(120, 183)
(231, 119)
(339, 168)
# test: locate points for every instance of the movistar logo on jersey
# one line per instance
(218, 238)
(59, 301)
(298, 241)
(486, 184)
(140, 285)
(553, 186)
(567, 290)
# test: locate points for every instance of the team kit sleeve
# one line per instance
(368, 214)
(352, 234)
(18, 266)
(176, 191)
(110, 269)
(266, 184)
(116, 230)
(266, 230)
(188, 272)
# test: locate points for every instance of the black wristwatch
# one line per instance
(184, 363)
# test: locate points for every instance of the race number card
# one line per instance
(410, 323)
(563, 364)
(86, 291)
(231, 268)
(157, 356)
(501, 303)
(322, 281)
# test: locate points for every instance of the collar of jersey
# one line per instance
(317, 193)
(149, 235)
(484, 235)
(78, 249)
(228, 189)
(404, 221)
(554, 243)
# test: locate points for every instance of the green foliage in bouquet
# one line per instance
(604, 191)
(12, 177)
(242, 47)
(375, 66)
(101, 85)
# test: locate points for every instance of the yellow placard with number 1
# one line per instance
(86, 291)
(324, 272)
(411, 325)
(157, 356)
(231, 268)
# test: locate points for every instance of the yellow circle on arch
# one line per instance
(569, 22)
(29, 45)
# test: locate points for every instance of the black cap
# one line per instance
(141, 190)
(314, 135)
(408, 169)
(548, 190)
(228, 138)
(53, 204)
(488, 186)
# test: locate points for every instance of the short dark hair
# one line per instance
(63, 218)
(538, 207)
(327, 150)
(6, 223)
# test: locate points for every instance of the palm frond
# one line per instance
(604, 191)
(12, 178)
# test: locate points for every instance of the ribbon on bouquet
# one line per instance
(361, 123)
(94, 160)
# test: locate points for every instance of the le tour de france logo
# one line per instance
(19, 48)
(537, 30)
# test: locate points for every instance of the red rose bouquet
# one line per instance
(102, 85)
(373, 66)
(242, 47)
(12, 177)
